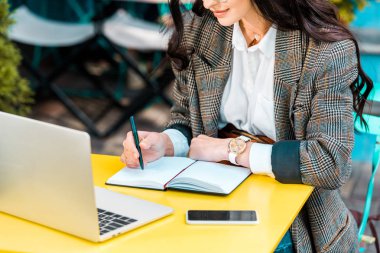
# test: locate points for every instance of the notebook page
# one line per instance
(210, 177)
(155, 174)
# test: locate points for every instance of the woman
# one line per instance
(287, 69)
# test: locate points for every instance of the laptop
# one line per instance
(46, 177)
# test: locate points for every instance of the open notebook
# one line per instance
(183, 174)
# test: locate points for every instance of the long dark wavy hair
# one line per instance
(305, 15)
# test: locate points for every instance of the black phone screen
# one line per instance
(221, 215)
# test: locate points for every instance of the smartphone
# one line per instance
(221, 217)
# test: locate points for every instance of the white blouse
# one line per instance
(247, 101)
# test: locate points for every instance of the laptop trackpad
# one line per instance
(142, 210)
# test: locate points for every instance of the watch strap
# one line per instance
(244, 138)
(232, 158)
(231, 155)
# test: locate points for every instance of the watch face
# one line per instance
(237, 146)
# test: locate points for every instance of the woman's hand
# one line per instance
(153, 146)
(206, 148)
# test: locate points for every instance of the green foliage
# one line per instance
(15, 93)
(347, 8)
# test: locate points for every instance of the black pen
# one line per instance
(137, 143)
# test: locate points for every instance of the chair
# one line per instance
(36, 31)
(30, 29)
(367, 149)
(123, 31)
(33, 30)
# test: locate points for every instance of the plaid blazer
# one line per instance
(313, 119)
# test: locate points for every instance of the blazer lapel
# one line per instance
(212, 69)
(287, 72)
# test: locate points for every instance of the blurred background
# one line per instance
(91, 64)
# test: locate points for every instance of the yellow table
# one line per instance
(277, 205)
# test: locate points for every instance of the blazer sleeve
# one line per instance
(323, 159)
(180, 115)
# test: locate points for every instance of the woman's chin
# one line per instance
(225, 22)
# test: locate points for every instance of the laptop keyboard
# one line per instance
(109, 221)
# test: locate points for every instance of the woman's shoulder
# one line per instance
(331, 58)
(329, 49)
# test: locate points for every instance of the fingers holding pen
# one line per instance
(145, 140)
(130, 155)
(152, 145)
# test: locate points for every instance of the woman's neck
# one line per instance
(254, 27)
